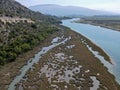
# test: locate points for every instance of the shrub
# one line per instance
(25, 47)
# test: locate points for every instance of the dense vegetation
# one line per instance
(11, 8)
(19, 37)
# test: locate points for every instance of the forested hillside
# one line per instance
(21, 29)
(12, 8)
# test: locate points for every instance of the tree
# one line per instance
(3, 53)
(17, 50)
(25, 47)
(40, 37)
(11, 56)
(2, 61)
(34, 26)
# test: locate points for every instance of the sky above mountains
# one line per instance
(106, 5)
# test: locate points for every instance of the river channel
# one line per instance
(107, 39)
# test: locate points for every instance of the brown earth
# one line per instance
(9, 71)
(72, 58)
(76, 61)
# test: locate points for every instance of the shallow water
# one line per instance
(96, 83)
(34, 60)
(107, 39)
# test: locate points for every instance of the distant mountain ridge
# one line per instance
(58, 10)
(12, 8)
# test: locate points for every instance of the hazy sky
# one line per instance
(107, 5)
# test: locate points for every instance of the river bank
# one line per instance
(69, 66)
(105, 38)
(98, 24)
(11, 70)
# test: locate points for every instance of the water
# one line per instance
(107, 39)
(96, 83)
(34, 60)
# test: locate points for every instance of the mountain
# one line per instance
(12, 8)
(21, 29)
(58, 10)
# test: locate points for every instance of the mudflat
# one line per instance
(110, 24)
(68, 66)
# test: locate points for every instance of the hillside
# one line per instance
(36, 53)
(21, 29)
(11, 8)
(66, 10)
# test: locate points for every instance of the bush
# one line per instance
(25, 47)
(3, 53)
(17, 50)
(11, 56)
(2, 61)
(40, 37)
(22, 39)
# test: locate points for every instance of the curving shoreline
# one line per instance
(91, 66)
(75, 40)
(96, 24)
(97, 48)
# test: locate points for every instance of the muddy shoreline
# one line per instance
(9, 71)
(96, 24)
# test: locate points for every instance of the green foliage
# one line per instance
(17, 50)
(2, 61)
(12, 56)
(23, 39)
(34, 42)
(25, 47)
(40, 37)
(3, 53)
(34, 26)
(19, 37)
(11, 8)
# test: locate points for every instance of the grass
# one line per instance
(9, 71)
(82, 56)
